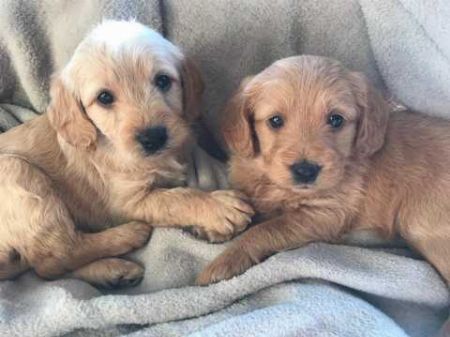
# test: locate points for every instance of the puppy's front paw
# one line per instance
(122, 274)
(129, 236)
(111, 273)
(231, 263)
(227, 214)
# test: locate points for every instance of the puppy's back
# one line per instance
(418, 143)
(410, 176)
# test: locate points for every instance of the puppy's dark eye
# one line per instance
(105, 98)
(335, 120)
(276, 122)
(163, 82)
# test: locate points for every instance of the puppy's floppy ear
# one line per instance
(68, 118)
(236, 123)
(192, 83)
(374, 115)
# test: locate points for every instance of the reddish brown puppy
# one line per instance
(315, 147)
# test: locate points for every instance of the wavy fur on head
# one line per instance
(381, 171)
(90, 165)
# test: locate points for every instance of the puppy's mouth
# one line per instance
(303, 186)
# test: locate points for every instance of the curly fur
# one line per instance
(381, 171)
(76, 186)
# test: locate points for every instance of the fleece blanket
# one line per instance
(368, 289)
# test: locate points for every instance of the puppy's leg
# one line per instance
(429, 233)
(437, 251)
(262, 240)
(71, 249)
(216, 215)
(37, 224)
(110, 273)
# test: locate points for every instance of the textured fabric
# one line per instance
(318, 290)
(298, 304)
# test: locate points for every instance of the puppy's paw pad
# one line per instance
(128, 275)
(125, 281)
(211, 236)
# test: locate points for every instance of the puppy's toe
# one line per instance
(210, 275)
(210, 236)
(215, 237)
(128, 275)
(139, 233)
(215, 273)
(229, 264)
(125, 281)
(129, 236)
(196, 231)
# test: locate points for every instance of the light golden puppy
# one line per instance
(81, 184)
(315, 147)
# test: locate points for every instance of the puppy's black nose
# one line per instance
(153, 139)
(305, 171)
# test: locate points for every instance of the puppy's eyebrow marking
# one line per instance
(264, 111)
(93, 99)
(174, 76)
(265, 117)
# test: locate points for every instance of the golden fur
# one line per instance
(76, 188)
(384, 171)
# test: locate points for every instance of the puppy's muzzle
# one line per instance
(305, 171)
(153, 139)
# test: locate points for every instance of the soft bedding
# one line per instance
(369, 289)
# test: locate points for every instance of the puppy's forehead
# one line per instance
(305, 82)
(123, 44)
(309, 73)
(119, 36)
(123, 53)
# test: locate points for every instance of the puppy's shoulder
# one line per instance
(416, 141)
(409, 121)
(28, 137)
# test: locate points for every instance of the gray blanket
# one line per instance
(318, 290)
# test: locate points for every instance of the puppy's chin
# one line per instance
(307, 189)
(286, 182)
(165, 153)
